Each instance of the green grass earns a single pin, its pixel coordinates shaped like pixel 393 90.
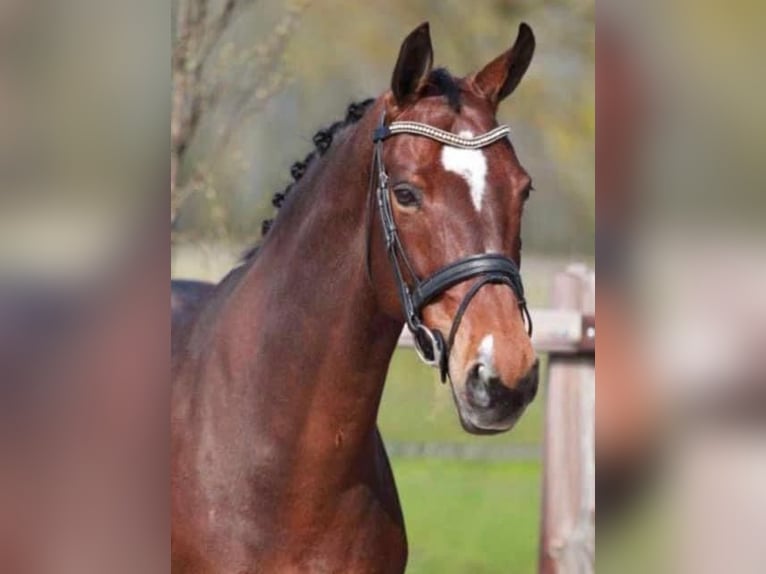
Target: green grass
pixel 470 517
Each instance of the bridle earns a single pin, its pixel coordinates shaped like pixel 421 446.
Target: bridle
pixel 486 267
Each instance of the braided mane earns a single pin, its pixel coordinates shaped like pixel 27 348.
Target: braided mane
pixel 439 82
pixel 322 142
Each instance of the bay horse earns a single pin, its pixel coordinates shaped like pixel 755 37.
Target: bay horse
pixel 409 213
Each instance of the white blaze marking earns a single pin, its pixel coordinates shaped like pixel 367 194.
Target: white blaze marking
pixel 471 165
pixel 487 357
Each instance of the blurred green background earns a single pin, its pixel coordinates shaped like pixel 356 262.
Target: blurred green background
pixel 280 70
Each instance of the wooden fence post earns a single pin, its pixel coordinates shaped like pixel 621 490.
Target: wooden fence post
pixel 567 539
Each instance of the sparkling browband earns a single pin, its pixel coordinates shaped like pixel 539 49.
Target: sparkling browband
pixel 440 135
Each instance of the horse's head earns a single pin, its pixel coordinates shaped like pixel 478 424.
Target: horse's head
pixel 450 203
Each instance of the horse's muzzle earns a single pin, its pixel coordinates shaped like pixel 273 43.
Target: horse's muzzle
pixel 490 406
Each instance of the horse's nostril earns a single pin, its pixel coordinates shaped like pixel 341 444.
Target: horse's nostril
pixel 477 389
pixel 485 390
pixel 506 398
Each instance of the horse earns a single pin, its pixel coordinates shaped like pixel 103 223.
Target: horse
pixel 408 213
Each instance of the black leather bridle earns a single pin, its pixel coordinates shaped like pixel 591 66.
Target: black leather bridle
pixel 485 267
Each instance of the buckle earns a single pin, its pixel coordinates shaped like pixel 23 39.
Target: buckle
pixel 428 346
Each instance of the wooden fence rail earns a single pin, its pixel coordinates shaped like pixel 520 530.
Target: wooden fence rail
pixel 555 331
pixel 568 530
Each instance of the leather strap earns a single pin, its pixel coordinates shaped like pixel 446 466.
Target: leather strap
pixel 459 271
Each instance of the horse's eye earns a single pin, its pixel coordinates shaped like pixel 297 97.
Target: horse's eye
pixel 406 196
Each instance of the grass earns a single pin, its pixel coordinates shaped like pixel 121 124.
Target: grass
pixel 470 517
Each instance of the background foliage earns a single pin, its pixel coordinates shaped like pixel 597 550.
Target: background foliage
pixel 279 70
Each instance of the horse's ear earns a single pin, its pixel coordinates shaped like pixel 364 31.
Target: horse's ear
pixel 414 64
pixel 501 76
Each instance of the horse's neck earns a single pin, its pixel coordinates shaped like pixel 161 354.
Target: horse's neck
pixel 305 346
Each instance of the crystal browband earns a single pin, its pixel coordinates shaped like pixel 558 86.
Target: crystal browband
pixel 447 138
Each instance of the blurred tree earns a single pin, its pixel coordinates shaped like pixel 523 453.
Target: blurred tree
pixel 210 71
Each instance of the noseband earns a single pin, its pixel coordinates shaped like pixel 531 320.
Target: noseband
pixel 485 267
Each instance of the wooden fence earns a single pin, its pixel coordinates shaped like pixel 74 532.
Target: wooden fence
pixel 568 529
pixel 567 332
pixel 562 331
